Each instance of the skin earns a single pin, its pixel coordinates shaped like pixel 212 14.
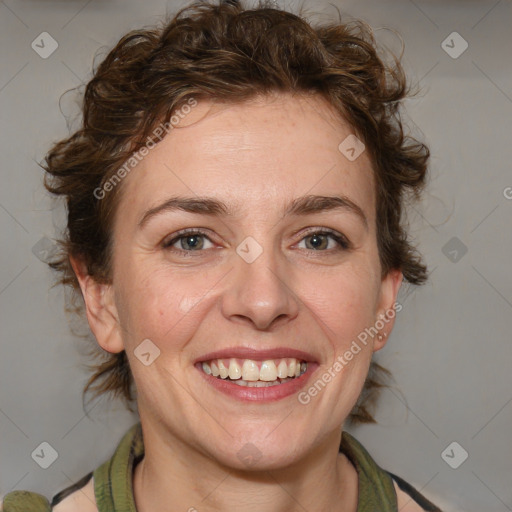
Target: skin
pixel 256 157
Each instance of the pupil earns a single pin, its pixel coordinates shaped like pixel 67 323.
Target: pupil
pixel 316 241
pixel 190 240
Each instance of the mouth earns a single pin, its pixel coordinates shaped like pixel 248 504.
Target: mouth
pixel 257 375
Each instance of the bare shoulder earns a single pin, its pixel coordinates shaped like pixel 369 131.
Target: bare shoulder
pixel 81 500
pixel 405 502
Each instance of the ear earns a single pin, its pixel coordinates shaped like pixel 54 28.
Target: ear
pixel 387 307
pixel 100 308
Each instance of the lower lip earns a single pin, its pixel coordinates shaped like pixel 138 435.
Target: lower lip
pixel 266 394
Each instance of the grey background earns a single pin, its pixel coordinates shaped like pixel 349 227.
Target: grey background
pixel 451 348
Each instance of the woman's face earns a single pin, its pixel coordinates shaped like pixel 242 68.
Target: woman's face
pixel 258 275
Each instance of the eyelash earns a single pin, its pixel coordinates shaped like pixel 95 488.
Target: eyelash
pixel 343 242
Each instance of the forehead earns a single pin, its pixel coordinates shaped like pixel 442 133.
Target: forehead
pixel 265 151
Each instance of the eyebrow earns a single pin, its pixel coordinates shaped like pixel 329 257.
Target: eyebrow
pixel 304 205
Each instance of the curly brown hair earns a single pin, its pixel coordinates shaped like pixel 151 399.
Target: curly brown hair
pixel 229 52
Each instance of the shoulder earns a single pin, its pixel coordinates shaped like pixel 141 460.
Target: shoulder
pixel 409 499
pixel 381 485
pixel 79 497
pixel 405 502
pixel 72 499
pixel 26 501
pixel 80 500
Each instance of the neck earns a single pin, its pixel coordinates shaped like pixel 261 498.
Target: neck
pixel 174 475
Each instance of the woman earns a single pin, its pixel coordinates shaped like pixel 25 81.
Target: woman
pixel 234 201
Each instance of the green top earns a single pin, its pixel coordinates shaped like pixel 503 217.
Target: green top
pixel 114 493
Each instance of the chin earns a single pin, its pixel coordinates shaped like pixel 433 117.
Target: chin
pixel 259 451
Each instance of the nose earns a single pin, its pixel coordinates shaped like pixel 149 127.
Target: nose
pixel 260 293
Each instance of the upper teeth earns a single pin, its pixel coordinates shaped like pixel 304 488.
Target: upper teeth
pixel 250 370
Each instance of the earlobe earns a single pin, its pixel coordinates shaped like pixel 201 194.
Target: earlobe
pixel 100 308
pixel 387 309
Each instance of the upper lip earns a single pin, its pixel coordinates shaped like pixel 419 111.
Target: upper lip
pixel 257 354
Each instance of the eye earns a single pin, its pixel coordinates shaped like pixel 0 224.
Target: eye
pixel 193 240
pixel 319 240
pixel 188 240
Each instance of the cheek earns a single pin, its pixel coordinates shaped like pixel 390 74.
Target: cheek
pixel 161 305
pixel 345 309
pixel 344 302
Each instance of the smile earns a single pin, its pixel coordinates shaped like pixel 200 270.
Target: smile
pixel 250 380
pixel 251 373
